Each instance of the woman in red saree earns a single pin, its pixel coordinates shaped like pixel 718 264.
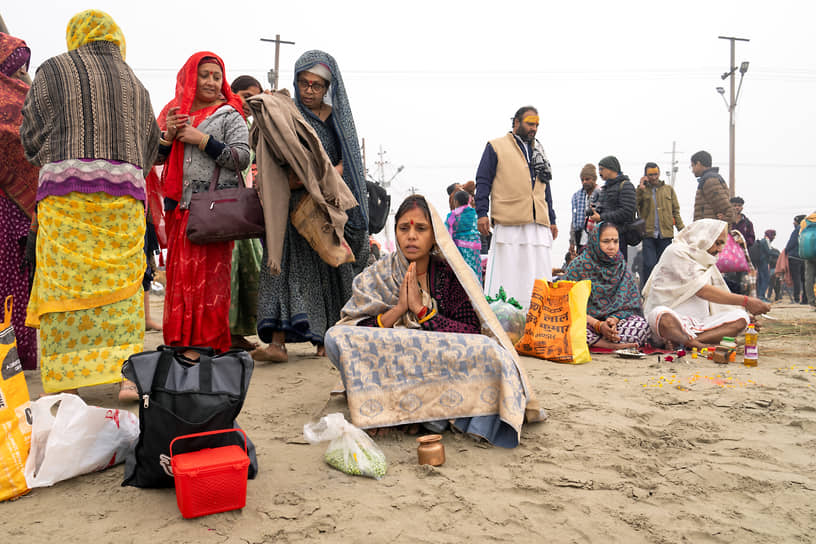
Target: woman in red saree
pixel 202 127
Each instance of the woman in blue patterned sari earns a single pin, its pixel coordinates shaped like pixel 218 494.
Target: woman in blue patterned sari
pixel 305 299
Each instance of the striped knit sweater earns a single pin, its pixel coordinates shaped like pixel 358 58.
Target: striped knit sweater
pixel 88 104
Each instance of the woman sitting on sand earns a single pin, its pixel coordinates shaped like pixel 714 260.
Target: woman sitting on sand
pixel 408 345
pixel 614 316
pixel 687 301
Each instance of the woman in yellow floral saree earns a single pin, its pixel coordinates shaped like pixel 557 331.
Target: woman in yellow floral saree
pixel 93 150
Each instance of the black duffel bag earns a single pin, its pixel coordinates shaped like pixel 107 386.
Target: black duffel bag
pixel 179 396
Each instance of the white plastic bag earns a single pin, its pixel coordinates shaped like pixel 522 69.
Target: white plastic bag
pixel 351 450
pixel 79 440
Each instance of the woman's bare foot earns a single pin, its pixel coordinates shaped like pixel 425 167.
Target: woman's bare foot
pixel 239 342
pixel 694 343
pixel 192 355
pixel 272 353
pixel 128 391
pixel 411 429
pixel 606 344
pixel 321 351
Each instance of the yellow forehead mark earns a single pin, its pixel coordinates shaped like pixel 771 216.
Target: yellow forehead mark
pixel 532 119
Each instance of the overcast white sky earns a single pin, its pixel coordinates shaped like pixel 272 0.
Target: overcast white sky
pixel 433 81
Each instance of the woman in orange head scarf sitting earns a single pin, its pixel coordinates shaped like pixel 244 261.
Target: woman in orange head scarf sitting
pixel 203 127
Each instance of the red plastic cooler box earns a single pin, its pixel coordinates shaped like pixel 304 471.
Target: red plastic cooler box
pixel 211 480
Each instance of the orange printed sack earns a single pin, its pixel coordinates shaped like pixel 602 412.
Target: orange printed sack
pixel 15 413
pixel 556 322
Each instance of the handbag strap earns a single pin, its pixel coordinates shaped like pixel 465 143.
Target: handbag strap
pixel 217 171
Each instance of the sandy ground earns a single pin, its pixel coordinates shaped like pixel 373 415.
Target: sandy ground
pixel 633 451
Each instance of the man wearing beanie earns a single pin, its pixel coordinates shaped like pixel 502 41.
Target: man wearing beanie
pixel 585 199
pixel 618 200
pixel 513 184
pixel 712 198
pixel 658 206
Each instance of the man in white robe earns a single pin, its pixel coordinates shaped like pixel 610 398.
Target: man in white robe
pixel 513 194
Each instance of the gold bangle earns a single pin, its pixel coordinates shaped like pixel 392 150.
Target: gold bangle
pixel 431 314
pixel 379 321
pixel 166 143
pixel 203 143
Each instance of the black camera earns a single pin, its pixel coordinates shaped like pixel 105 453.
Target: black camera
pixel 590 211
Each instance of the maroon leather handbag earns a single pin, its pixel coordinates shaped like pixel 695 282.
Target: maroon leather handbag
pixel 221 215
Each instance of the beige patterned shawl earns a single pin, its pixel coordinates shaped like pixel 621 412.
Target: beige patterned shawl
pixel 376 290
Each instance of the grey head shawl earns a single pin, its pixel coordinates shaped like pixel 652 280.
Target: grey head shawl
pixel 343 124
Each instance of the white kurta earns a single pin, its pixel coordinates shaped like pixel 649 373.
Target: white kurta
pixel 519 255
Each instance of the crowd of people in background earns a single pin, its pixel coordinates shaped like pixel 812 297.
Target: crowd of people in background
pixel 87 184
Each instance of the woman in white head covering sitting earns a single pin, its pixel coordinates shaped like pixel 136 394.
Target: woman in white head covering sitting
pixel 686 299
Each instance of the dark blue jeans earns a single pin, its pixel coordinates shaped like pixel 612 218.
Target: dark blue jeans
pixel 763 277
pixel 652 249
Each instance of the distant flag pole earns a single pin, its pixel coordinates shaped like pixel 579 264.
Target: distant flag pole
pixel 273 74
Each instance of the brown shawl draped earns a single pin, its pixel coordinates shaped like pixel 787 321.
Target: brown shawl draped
pixel 284 141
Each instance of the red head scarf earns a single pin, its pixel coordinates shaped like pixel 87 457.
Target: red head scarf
pixel 186 83
pixel 18 177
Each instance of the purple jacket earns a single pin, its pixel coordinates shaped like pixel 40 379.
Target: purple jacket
pixel 745 226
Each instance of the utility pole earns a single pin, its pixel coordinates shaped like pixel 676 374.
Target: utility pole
pixel 732 105
pixel 273 74
pixel 386 183
pixel 380 163
pixel 673 169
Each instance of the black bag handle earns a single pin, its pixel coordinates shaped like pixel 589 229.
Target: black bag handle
pixel 157 375
pixel 177 349
pixel 167 357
